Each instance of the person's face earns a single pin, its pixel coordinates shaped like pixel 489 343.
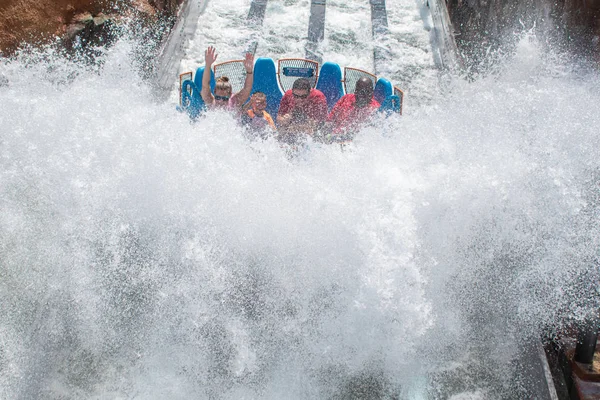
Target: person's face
pixel 363 95
pixel 259 103
pixel 222 96
pixel 300 96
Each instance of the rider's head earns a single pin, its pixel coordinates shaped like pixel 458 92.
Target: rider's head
pixel 259 102
pixel 222 90
pixel 363 91
pixel 301 90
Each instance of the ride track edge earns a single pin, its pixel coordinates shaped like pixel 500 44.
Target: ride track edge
pixel 167 63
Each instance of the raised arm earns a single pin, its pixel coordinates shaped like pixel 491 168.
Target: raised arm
pixel 240 98
pixel 210 56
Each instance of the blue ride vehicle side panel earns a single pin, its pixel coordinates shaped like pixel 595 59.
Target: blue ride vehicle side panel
pixel 391 104
pixel 384 94
pixel 265 80
pixel 198 79
pixel 383 89
pixel 330 83
pixel 193 103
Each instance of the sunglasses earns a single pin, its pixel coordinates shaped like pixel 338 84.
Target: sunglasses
pixel 222 98
pixel 300 96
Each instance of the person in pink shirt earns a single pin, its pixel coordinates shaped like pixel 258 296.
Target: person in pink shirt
pixel 302 111
pixel 223 97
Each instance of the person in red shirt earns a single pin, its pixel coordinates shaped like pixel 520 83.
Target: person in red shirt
pixel 302 111
pixel 352 110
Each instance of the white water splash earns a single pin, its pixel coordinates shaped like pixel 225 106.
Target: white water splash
pixel 145 256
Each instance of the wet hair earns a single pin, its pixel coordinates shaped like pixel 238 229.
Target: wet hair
pixel 364 84
pixel 223 84
pixel 259 95
pixel 302 84
pixel 363 91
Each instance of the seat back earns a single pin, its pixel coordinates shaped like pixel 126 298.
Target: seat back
pixel 291 69
pixel 383 89
pixel 352 75
pixel 235 71
pixel 198 79
pixel 265 80
pixel 330 83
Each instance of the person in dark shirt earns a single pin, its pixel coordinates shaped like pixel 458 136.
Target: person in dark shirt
pixel 302 111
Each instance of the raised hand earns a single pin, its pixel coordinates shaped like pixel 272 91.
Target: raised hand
pixel 210 55
pixel 249 63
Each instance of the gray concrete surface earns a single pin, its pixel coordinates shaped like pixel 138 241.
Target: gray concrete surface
pixel 174 47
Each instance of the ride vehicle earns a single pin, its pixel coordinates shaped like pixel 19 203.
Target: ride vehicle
pixel 274 81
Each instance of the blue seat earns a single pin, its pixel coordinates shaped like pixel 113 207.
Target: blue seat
pixel 383 90
pixel 193 103
pixel 265 80
pixel 330 83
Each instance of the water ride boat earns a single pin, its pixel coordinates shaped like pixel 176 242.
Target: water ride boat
pixel 275 79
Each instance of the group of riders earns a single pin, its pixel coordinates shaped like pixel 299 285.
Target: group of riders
pixel 302 112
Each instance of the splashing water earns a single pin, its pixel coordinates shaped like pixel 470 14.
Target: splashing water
pixel 143 256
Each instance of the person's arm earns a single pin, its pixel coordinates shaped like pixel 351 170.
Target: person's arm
pixel 240 98
pixel 270 120
pixel 318 113
pixel 321 109
pixel 210 56
pixel 284 118
pixel 333 117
